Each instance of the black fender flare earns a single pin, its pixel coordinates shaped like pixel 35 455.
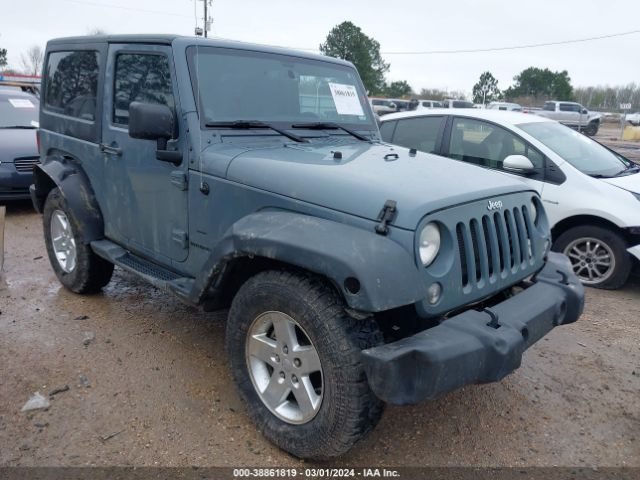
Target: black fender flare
pixel 67 174
pixel 386 272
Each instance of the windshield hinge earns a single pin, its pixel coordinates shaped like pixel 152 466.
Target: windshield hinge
pixel 385 216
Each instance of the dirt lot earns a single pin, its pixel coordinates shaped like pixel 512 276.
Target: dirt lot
pixel 609 134
pixel 155 389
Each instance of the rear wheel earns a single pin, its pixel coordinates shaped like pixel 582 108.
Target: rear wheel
pixel 77 267
pixel 598 255
pixel 295 355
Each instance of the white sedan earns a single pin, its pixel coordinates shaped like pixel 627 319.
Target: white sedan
pixel 591 193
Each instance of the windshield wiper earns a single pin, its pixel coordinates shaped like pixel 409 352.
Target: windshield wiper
pixel 628 169
pixel 21 127
pixel 330 126
pixel 249 124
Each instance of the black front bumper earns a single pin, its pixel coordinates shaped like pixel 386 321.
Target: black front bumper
pixel 14 185
pixel 475 346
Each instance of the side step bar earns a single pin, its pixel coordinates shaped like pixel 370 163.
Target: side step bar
pixel 160 277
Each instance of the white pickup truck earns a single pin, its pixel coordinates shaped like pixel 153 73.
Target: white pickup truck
pixel 572 115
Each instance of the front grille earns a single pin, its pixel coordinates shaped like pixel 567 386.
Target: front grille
pixel 500 245
pixel 25 164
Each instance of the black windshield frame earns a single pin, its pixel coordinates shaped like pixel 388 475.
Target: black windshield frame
pixel 192 51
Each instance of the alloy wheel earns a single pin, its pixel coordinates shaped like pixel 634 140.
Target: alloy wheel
pixel 63 241
pixel 592 260
pixel 284 367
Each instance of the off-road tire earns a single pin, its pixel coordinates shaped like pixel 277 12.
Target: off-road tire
pixel 91 272
pixel 349 409
pixel 613 240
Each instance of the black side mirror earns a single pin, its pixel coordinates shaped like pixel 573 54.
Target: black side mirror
pixel 585 111
pixel 149 121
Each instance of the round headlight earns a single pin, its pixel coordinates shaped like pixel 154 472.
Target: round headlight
pixel 429 243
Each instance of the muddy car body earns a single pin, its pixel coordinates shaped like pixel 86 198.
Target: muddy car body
pixel 243 175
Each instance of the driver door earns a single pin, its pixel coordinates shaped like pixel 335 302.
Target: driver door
pixel 145 199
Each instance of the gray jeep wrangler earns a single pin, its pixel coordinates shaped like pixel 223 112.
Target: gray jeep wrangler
pixel 232 175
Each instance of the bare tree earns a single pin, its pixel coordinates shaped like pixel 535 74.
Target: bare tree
pixel 32 60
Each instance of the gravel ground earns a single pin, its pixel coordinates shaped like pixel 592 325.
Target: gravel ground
pixel 609 134
pixel 149 385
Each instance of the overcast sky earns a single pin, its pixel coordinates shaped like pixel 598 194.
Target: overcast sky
pixel 401 25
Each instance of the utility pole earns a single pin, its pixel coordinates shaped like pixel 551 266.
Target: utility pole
pixel 206 22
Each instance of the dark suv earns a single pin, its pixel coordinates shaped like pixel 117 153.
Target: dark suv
pixel 357 273
pixel 18 142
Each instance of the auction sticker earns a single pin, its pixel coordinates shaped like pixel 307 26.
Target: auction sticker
pixel 21 103
pixel 346 99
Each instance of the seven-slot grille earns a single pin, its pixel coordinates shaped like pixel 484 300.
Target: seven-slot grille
pixel 500 244
pixel 25 164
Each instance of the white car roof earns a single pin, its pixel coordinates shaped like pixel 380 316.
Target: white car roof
pixel 497 116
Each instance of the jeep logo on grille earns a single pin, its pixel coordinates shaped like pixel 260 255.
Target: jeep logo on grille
pixel 494 205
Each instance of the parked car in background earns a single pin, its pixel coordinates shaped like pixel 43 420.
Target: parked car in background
pixel 18 143
pixel 401 105
pixel 457 104
pixel 633 118
pixel 505 106
pixel 425 104
pixel 590 192
pixel 382 106
pixel 573 115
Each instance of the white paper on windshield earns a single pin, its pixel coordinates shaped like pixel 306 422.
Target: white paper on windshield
pixel 346 99
pixel 35 124
pixel 21 103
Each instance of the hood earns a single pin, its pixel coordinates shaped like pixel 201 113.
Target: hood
pixel 363 178
pixel 627 182
pixel 16 143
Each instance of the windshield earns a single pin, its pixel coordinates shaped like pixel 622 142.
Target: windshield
pixel 274 88
pixel 580 151
pixel 18 111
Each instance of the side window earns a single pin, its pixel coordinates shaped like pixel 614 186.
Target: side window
pixel 140 78
pixel 420 133
pixel 72 83
pixel 386 131
pixel 487 145
pixel 569 107
pixel 549 106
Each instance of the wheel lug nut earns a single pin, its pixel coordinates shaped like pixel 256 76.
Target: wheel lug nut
pixel 285 350
pixel 294 379
pixel 282 375
pixel 297 362
pixel 277 359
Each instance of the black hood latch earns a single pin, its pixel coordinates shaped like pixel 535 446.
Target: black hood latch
pixel 385 216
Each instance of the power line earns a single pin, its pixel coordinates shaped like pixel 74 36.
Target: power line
pixel 514 47
pixel 498 49
pixel 133 9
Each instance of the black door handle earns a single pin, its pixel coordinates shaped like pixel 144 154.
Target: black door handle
pixel 111 150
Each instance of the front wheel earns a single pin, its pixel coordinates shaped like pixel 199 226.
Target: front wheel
pixel 598 255
pixel 295 356
pixel 591 129
pixel 77 267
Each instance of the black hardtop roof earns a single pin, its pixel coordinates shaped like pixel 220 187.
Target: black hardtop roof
pixel 168 39
pixel 126 38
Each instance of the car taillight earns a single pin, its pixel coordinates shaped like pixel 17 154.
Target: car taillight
pixel 38 139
